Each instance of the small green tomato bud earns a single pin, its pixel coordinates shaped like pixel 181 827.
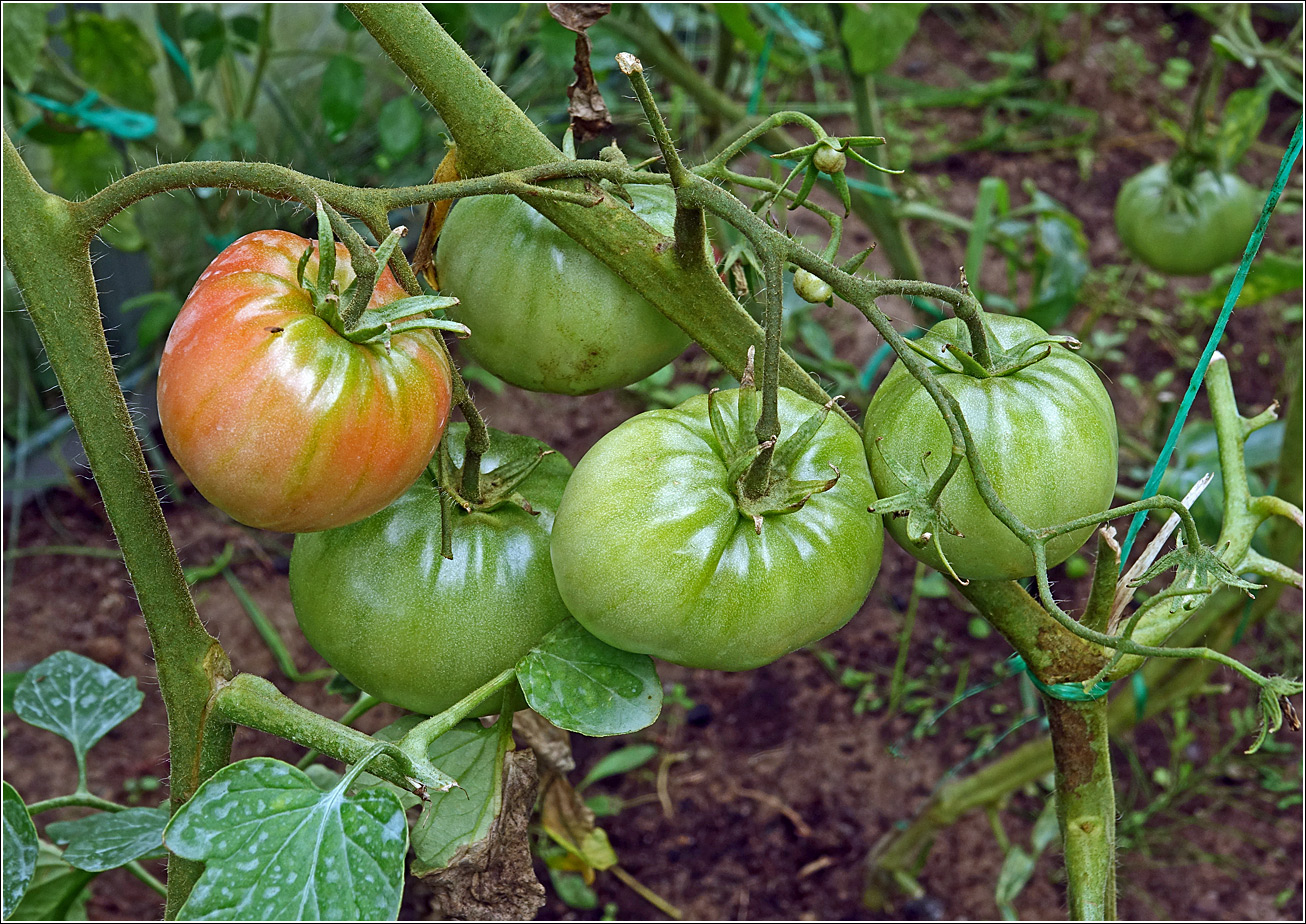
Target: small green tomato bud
pixel 828 160
pixel 813 289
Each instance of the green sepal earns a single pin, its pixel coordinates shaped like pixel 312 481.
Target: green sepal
pixel 874 166
pixel 407 308
pixel 326 249
pixel 932 357
pixel 809 183
pixel 840 181
pixel 861 141
pixel 720 429
pixel 788 451
pixel 1203 569
pixel 926 521
pixel 853 264
pixel 387 248
pixel 498 486
pixel 969 364
pixel 1274 703
pixel 299 271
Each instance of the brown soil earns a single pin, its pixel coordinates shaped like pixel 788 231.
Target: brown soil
pixel 775 787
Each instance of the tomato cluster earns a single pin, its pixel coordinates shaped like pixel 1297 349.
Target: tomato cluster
pixel 678 535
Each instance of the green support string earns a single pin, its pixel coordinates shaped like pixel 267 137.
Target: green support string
pixel 1066 692
pixel 1253 245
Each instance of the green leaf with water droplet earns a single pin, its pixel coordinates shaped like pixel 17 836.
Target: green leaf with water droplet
pixel 76 698
pixel 586 686
pixel 19 849
pixel 278 848
pixel 107 840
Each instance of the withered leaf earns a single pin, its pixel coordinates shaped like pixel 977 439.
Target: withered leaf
pixel 436 213
pixel 570 823
pixel 551 744
pixel 588 111
pixel 493 879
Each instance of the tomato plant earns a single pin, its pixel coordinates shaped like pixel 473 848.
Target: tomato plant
pixel 545 314
pixel 1186 226
pixel 656 549
pixel 1045 433
pixel 377 600
pixel 279 419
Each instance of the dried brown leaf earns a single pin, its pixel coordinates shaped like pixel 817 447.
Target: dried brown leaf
pixel 493 879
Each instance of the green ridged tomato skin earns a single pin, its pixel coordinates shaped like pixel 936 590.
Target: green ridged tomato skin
pixel 652 554
pixel 277 419
pixel 546 314
pixel 381 605
pixel 1186 231
pixel 1046 436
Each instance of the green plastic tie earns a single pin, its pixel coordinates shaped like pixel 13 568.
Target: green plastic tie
pixel 1253 245
pixel 1138 683
pixel 1066 692
pixel 759 76
pixel 170 48
pixel 90 111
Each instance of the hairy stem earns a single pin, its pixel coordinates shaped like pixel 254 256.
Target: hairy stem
pixel 46 246
pixel 1086 806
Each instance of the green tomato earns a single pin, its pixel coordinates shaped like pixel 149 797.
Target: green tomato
pixel 812 288
pixel 544 312
pixel 830 160
pixel 1046 436
pixel 653 554
pixel 378 601
pixel 1186 229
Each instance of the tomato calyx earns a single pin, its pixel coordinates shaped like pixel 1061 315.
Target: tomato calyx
pixel 495 487
pixel 375 325
pixel 1202 571
pixel 760 475
pixel 1003 361
pixel 919 503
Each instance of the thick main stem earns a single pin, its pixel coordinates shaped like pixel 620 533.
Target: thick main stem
pixel 1086 805
pixel 48 251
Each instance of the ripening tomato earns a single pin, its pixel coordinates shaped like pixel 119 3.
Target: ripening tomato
pixel 544 312
pixel 277 418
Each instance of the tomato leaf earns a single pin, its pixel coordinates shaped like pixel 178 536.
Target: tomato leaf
pixel 1017 867
pixel 20 848
pixel 343 86
pixel 473 755
pixel 76 698
pixel 109 839
pixel 57 892
pixel 1244 116
pixel 735 17
pixel 278 848
pixel 114 57
pixel 24 38
pixel 1272 274
pixel 584 685
pixel 622 760
pixel 876 33
pixel 400 127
